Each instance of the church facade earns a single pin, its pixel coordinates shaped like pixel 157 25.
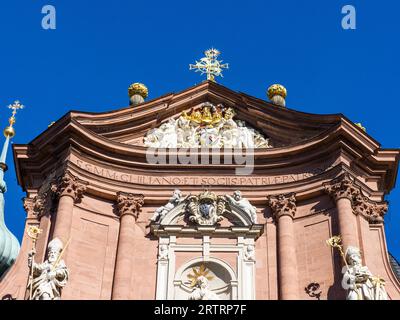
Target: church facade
pixel 204 194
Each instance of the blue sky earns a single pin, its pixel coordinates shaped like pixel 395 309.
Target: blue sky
pixel 100 47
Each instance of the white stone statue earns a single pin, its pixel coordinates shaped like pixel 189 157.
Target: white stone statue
pixel 50 276
pixel 244 204
pixel 202 290
pixel 250 253
pixel 359 281
pixel 160 213
pixel 163 252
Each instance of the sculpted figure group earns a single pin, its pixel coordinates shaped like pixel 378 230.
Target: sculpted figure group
pixel 210 126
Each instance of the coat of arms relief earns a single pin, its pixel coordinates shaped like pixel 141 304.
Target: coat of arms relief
pixel 208 126
pixel 207 208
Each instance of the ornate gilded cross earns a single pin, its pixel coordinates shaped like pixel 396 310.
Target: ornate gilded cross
pixel 15 106
pixel 210 65
pixel 9 132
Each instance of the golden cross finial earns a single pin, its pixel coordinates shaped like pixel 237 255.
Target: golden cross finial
pixel 9 131
pixel 15 106
pixel 210 65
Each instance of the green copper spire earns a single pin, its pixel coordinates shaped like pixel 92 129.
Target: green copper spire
pixel 9 245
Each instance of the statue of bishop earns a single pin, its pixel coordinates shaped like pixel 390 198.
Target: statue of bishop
pixel 50 276
pixel 359 281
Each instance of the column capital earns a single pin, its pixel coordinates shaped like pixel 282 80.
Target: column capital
pixel 129 203
pixel 69 185
pixel 34 207
pixel 371 210
pixel 342 187
pixel 283 204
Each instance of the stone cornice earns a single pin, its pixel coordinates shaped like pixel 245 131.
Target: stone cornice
pixel 129 204
pixel 282 205
pixel 253 231
pixel 328 135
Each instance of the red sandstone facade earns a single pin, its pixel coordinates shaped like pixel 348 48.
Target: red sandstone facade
pixel 87 179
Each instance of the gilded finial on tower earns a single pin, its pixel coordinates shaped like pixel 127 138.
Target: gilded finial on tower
pixel 9 245
pixel 9 131
pixel 137 92
pixel 277 94
pixel 210 64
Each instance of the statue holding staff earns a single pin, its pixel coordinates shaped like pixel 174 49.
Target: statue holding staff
pixel 49 277
pixel 357 279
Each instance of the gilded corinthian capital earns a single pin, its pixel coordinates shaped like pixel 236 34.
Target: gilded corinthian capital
pixel 69 185
pixel 342 187
pixel 129 203
pixel 283 204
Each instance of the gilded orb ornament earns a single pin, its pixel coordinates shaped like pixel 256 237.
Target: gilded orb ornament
pixel 277 90
pixel 9 132
pixel 138 88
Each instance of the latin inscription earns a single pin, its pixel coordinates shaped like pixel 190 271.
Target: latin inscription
pixel 193 180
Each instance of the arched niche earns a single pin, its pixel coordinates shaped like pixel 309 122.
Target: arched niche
pixel 224 281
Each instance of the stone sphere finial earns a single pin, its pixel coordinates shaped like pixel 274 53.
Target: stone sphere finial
pixel 137 93
pixel 277 94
